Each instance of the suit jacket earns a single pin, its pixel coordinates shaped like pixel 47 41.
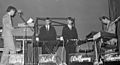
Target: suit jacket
pixel 7 25
pixel 7 32
pixel 46 35
pixel 69 34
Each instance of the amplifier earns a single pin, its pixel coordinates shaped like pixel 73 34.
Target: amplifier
pixel 16 59
pixel 47 58
pixel 78 58
pixel 112 57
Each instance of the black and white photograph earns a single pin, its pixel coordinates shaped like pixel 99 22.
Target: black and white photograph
pixel 59 32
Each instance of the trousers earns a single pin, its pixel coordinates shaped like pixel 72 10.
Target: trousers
pixel 9 48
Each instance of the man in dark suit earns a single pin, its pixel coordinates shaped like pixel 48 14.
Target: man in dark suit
pixel 47 33
pixel 69 34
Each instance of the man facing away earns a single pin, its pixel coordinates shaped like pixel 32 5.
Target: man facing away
pixel 7 35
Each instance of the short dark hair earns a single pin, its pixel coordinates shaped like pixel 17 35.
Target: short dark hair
pixel 47 19
pixel 103 17
pixel 11 8
pixel 70 18
pixel 50 21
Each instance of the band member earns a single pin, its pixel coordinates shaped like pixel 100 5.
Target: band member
pixel 7 35
pixel 69 34
pixel 47 33
pixel 110 30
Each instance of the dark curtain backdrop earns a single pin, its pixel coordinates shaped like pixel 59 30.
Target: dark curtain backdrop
pixel 114 9
pixel 114 12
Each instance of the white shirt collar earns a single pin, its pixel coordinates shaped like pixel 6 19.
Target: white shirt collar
pixel 69 26
pixel 47 26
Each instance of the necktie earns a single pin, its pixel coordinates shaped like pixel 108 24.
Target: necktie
pixel 47 27
pixel 70 27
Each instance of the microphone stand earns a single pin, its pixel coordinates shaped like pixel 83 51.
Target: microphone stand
pixel 62 52
pixel 25 37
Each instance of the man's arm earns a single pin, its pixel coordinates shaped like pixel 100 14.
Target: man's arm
pixel 54 33
pixel 40 35
pixel 76 34
pixel 64 34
